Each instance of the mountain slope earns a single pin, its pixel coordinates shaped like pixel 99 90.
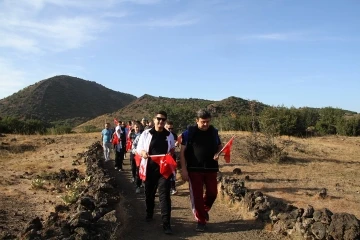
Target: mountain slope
pixel 181 110
pixel 63 98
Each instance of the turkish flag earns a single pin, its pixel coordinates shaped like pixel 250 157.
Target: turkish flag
pixel 226 150
pixel 142 169
pixel 116 122
pixel 115 140
pixel 167 164
pixel 128 145
pixel 137 158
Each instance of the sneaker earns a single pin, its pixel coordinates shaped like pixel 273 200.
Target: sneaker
pixel 132 180
pixel 116 168
pixel 200 227
pixel 167 228
pixel 173 191
pixel 120 170
pixel 148 218
pixel 207 216
pixel 137 190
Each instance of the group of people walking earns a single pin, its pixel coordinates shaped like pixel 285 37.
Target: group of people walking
pixel 200 147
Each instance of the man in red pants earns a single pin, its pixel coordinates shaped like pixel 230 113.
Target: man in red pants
pixel 199 152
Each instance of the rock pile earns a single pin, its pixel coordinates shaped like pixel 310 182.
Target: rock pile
pixel 289 220
pixel 93 216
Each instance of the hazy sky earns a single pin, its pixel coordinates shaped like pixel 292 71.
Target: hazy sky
pixel 280 52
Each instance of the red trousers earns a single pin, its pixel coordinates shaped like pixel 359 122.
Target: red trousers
pixel 201 203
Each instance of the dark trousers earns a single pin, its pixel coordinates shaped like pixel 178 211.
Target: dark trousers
pixel 135 170
pixel 133 165
pixel 201 203
pixel 173 181
pixel 119 158
pixel 154 180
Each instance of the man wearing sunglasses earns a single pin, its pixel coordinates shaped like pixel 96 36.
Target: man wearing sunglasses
pixel 156 141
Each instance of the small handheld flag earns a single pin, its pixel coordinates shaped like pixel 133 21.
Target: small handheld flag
pixel 226 149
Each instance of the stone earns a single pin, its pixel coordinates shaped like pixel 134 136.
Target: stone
pixel 344 226
pixel 319 230
pixel 34 224
pixel 88 203
pixel 308 212
pixel 323 216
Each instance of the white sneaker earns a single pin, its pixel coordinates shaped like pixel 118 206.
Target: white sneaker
pixel 137 190
pixel 116 168
pixel 173 191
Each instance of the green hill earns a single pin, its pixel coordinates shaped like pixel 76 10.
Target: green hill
pixel 63 99
pixel 180 110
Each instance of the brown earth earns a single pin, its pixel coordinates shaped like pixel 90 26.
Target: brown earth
pixel 316 163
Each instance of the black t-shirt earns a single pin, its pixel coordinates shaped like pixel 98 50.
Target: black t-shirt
pixel 158 145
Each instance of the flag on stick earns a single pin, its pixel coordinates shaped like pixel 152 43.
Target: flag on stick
pixel 226 149
pixel 166 162
pixel 116 122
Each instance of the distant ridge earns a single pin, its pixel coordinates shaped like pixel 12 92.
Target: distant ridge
pixel 63 98
pixel 185 108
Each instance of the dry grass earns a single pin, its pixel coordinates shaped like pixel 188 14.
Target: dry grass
pixel 46 154
pixel 325 162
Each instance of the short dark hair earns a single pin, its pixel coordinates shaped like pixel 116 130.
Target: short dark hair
pixel 161 113
pixel 169 122
pixel 203 113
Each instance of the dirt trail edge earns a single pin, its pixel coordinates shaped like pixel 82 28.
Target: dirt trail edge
pixel 224 224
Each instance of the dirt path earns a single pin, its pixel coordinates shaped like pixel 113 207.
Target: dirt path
pixel 223 224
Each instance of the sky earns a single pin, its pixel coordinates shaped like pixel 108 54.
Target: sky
pixel 294 53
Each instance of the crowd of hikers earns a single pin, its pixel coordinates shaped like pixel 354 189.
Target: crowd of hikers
pixel 154 161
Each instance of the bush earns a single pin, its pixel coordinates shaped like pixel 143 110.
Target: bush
pixel 90 128
pixel 58 130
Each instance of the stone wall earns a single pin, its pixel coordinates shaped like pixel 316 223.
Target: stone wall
pixel 93 216
pixel 289 220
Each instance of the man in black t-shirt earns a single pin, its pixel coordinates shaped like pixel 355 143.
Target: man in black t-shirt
pixel 152 143
pixel 199 156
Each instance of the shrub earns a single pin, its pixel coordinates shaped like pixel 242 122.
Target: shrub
pixel 37 183
pixel 58 130
pixel 90 128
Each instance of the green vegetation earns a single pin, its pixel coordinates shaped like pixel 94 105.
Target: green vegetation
pixel 74 190
pixel 31 126
pixel 235 114
pixel 90 128
pixel 37 183
pixel 56 105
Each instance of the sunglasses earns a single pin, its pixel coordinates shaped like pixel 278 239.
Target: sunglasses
pixel 159 119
